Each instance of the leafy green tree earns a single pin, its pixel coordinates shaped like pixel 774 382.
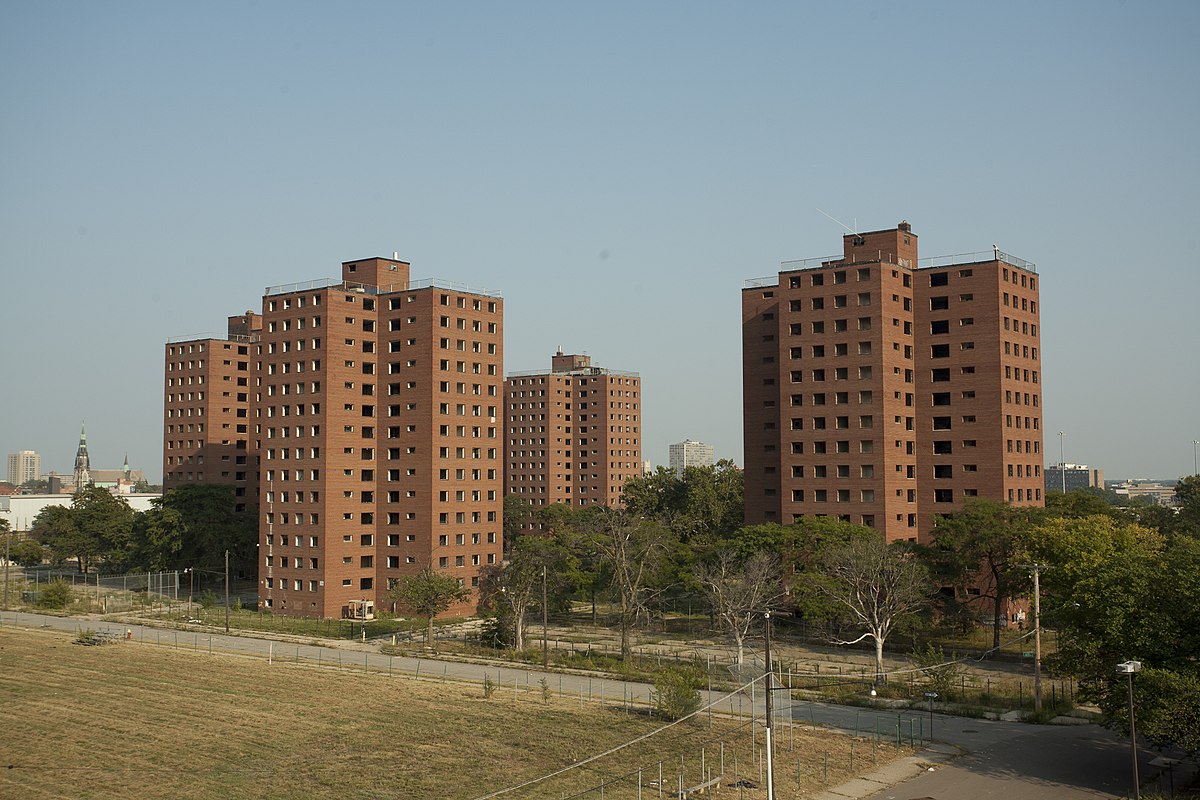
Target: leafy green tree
pixel 36 486
pixel 108 520
pixel 982 545
pixel 519 514
pixel 211 526
pixel 28 553
pixel 870 584
pixel 158 539
pixel 1080 503
pixel 55 527
pixel 428 594
pixel 703 502
pixel 1117 591
pixel 1187 494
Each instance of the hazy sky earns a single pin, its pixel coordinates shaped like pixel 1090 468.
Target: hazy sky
pixel 617 170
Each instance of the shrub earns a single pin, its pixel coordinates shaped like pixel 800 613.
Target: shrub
pixel 942 673
pixel 57 594
pixel 207 599
pixel 489 687
pixel 677 692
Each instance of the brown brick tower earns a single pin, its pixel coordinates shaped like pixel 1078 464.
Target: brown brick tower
pixel 883 393
pixel 379 422
pixel 206 409
pixel 574 433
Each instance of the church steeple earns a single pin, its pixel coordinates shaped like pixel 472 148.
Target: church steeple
pixel 83 465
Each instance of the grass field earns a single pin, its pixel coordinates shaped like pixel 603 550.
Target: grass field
pixel 138 720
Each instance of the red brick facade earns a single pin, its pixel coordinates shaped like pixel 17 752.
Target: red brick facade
pixel 884 393
pixel 206 410
pixel 574 433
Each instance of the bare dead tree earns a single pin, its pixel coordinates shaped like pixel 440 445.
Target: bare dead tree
pixel 874 585
pixel 740 590
pixel 634 551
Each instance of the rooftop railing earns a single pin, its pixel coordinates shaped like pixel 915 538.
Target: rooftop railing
pixel 978 256
pixel 222 337
pixel 583 372
pixel 995 254
pixel 362 288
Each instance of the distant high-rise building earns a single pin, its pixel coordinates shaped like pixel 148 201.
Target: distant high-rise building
pixel 206 411
pixel 690 454
pixel 885 393
pixel 24 466
pixel 573 433
pixel 1073 476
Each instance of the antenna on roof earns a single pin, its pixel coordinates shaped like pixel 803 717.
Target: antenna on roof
pixel 853 230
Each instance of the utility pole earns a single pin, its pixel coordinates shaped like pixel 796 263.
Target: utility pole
pixel 7 549
pixel 227 591
pixel 770 714
pixel 545 650
pixel 1037 633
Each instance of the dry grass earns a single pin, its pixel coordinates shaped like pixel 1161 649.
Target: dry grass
pixel 134 720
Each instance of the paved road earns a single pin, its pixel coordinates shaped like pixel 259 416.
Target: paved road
pixel 1002 759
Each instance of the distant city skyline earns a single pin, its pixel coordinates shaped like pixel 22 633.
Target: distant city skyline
pixel 607 173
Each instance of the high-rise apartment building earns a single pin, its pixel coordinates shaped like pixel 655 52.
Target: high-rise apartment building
pixel 377 415
pixel 24 466
pixel 207 392
pixel 573 433
pixel 885 391
pixel 690 454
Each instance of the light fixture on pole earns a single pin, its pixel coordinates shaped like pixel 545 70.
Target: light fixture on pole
pixel 1127 668
pixel 1062 461
pixel 770 712
pixel 931 696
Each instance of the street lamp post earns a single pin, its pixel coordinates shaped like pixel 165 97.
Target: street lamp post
pixel 931 696
pixel 545 650
pixel 1195 457
pixel 191 571
pixel 227 591
pixel 1128 668
pixel 1062 461
pixel 770 712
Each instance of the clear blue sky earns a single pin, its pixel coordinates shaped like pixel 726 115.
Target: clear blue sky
pixel 616 169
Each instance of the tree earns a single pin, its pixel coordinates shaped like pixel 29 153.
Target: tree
pixel 515 585
pixel 428 594
pixel 871 584
pixel 36 486
pixel 158 539
pixel 1080 503
pixel 703 502
pixel 211 526
pixel 740 590
pixel 1187 494
pixel 519 514
pixel 1117 591
pixel 982 546
pixel 633 551
pixel 107 519
pixel 55 527
pixel 28 553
